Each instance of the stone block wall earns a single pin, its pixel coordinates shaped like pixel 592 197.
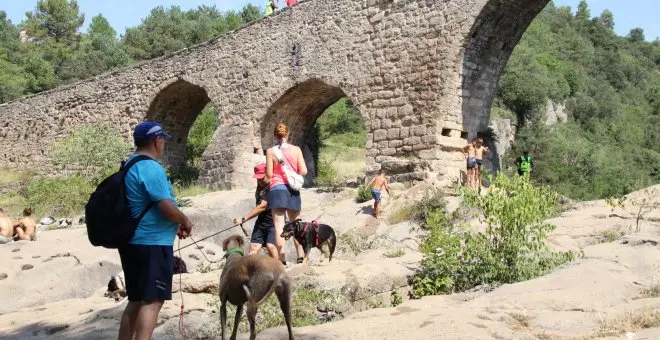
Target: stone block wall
pixel 422 74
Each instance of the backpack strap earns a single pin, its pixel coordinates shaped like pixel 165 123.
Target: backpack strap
pixel 127 166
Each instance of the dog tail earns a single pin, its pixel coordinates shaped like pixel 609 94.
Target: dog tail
pixel 276 281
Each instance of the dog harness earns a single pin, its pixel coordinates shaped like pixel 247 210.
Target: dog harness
pixel 306 229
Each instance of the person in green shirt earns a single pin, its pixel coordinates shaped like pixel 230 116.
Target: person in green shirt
pixel 525 164
pixel 271 7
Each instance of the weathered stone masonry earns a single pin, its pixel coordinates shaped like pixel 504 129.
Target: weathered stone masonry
pixel 422 74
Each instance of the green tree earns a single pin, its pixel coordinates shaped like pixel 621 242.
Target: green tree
pixel 95 149
pixel 251 13
pixel 54 27
pixel 101 50
pixel 636 35
pixel 583 14
pixel 607 19
pixel 167 30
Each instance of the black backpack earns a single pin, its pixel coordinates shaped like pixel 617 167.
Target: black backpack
pixel 108 218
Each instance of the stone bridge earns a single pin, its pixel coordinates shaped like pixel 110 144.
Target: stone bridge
pixel 421 72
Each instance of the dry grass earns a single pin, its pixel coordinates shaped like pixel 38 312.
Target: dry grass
pixel 347 161
pixel 9 176
pixel 190 190
pixel 392 253
pixel 519 321
pixel 12 204
pixel 399 215
pixel 629 322
pixel 610 235
pixel 651 292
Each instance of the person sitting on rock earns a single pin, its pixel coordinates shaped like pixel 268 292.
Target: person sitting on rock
pixel 6 228
pixel 379 182
pixel 26 228
pixel 263 233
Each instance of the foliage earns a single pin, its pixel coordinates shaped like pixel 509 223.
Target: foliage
pixel 96 148
pixel 304 304
pixel 395 253
pixel 611 89
pixel 511 249
pixel 327 177
pixel 61 197
pixel 343 122
pixel 363 194
pixel 419 211
pixel 200 135
pixel 168 30
pixel 395 298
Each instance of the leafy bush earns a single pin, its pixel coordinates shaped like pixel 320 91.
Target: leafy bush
pixel 200 135
pixel 419 211
pixel 60 197
pixel 363 194
pixel 511 249
pixel 97 149
pixel 327 177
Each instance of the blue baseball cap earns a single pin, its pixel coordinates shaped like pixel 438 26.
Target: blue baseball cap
pixel 149 130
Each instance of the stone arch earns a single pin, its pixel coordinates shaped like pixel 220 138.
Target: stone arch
pixel 299 108
pixel 176 107
pixel 495 33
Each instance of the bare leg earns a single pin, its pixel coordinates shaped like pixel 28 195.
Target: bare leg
pixel 129 320
pixel 237 320
pixel 278 221
pixel 147 318
pixel 272 251
pixel 293 215
pixel 254 248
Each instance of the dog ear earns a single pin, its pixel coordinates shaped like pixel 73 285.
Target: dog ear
pixel 225 243
pixel 240 241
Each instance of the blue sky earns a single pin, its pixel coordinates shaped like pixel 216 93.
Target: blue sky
pixel 127 13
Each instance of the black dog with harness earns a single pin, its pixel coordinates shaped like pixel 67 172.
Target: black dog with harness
pixel 311 234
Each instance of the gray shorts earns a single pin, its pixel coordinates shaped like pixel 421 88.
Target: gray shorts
pixel 4 239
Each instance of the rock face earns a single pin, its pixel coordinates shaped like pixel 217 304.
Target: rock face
pixel 422 74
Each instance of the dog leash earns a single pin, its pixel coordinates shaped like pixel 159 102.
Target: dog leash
pixel 207 237
pixel 182 329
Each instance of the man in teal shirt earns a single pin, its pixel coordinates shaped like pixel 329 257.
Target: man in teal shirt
pixel 148 259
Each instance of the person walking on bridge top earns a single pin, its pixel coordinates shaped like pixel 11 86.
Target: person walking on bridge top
pixel 290 3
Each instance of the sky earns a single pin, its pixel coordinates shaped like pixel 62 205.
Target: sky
pixel 128 13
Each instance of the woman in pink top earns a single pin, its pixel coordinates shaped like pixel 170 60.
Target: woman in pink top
pixel 282 199
pixel 291 2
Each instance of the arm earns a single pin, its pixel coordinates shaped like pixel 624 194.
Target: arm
pixel 269 164
pixel 173 213
pixel 255 212
pixel 302 167
pixel 465 150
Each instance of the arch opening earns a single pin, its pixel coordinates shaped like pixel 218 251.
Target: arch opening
pixel 177 107
pixel 333 143
pixel 490 43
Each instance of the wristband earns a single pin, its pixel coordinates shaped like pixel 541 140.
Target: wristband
pixel 242 220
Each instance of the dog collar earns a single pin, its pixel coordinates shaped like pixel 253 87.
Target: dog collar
pixel 233 251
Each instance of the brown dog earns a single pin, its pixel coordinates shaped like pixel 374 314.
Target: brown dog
pixel 251 279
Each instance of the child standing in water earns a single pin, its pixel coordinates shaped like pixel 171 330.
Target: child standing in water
pixel 377 185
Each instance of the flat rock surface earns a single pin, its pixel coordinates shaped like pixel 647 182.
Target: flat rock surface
pixel 61 296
